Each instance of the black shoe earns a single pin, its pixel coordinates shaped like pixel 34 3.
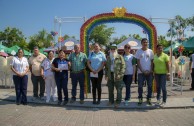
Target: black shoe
pixel 25 103
pixel 17 103
pixel 191 88
pixel 94 102
pixel 65 102
pixel 98 102
pixel 59 102
pixel 72 100
pixel 140 101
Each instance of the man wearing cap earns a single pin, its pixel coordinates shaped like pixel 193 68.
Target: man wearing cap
pixel 78 63
pixel 114 72
pixel 35 67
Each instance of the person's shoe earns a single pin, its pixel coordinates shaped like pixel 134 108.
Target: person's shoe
pixel 72 100
pixel 192 89
pixel 98 102
pixel 109 103
pixel 54 99
pixel 94 101
pixel 140 101
pixel 117 105
pixel 34 98
pixel 17 103
pixel 158 102
pixel 42 98
pixel 163 104
pixel 149 101
pixel 65 102
pixel 25 103
pixel 126 102
pixel 81 102
pixel 47 101
pixel 59 102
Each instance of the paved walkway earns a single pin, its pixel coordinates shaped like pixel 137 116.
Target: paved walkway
pixel 174 99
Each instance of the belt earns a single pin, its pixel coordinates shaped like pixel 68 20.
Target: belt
pixel 77 71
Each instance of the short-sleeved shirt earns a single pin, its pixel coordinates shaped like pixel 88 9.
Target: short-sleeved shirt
pixel 160 63
pixel 96 59
pixel 35 62
pixel 129 61
pixel 78 62
pixel 145 57
pixel 57 62
pixel 46 64
pixel 19 64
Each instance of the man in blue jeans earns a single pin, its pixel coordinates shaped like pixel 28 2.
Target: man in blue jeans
pixel 144 58
pixel 78 62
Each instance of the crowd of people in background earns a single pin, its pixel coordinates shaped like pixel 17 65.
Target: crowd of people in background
pixel 120 70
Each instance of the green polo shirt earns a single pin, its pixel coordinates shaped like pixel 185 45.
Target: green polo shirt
pixel 160 63
pixel 78 62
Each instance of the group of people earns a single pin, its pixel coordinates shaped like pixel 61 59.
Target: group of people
pixel 119 70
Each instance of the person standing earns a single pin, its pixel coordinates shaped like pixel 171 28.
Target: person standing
pixel 161 72
pixel 96 62
pixel 144 58
pixel 60 66
pixel 35 67
pixel 114 72
pixel 48 75
pixel 78 62
pixel 20 67
pixel 191 68
pixel 130 71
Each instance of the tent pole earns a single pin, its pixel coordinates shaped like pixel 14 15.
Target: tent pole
pixel 171 54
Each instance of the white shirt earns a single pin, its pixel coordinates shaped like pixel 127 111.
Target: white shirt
pixel 19 64
pixel 145 58
pixel 46 64
pixel 129 66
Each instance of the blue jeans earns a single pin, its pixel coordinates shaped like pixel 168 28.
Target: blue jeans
pixel 128 80
pixel 141 79
pixel 61 82
pixel 21 88
pixel 161 84
pixel 77 77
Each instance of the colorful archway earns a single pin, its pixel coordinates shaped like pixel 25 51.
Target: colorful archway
pixel 118 15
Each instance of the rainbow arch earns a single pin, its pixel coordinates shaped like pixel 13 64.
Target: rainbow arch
pixel 91 23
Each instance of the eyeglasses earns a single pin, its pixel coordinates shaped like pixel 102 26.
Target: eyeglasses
pixel 127 47
pixel 112 48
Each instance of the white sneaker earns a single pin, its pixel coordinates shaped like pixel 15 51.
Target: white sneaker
pixel 163 104
pixel 158 102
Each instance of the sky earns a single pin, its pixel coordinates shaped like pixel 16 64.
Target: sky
pixel 31 16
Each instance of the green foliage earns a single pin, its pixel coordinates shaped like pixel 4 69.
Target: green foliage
pixel 162 40
pixel 101 34
pixel 42 40
pixel 13 36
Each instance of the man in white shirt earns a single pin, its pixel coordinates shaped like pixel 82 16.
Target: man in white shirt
pixel 145 65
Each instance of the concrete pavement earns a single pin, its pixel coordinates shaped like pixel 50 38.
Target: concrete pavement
pixel 174 99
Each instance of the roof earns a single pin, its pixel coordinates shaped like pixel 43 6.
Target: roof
pixel 134 43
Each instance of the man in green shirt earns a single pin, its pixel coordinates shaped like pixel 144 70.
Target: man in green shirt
pixel 78 61
pixel 161 71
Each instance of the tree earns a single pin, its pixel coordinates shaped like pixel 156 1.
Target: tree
pixel 162 40
pixel 42 40
pixel 179 25
pixel 101 34
pixel 119 40
pixel 13 36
